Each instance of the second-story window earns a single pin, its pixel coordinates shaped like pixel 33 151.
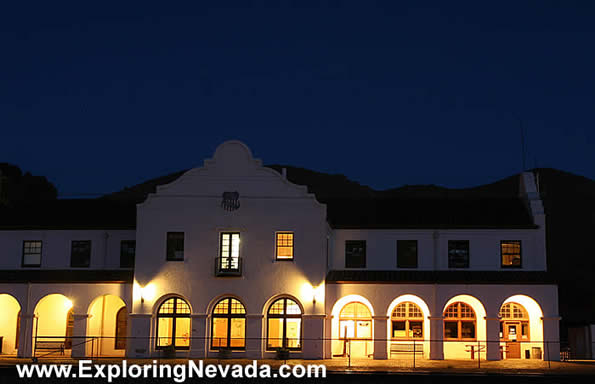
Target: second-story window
pixel 31 253
pixel 355 254
pixel 127 252
pixel 510 251
pixel 229 251
pixel 406 253
pixel 284 246
pixel 175 246
pixel 458 253
pixel 80 255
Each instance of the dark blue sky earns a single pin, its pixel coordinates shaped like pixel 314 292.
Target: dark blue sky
pixel 102 95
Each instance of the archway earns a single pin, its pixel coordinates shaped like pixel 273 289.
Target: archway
pixel 107 326
pixel 464 328
pixel 408 324
pixel 352 327
pixel 521 328
pixel 52 328
pixel 9 324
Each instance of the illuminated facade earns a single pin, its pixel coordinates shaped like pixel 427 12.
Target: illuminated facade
pixel 233 256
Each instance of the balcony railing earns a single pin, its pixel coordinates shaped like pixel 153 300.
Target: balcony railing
pixel 228 266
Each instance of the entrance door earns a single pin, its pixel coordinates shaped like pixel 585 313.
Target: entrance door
pixel 512 345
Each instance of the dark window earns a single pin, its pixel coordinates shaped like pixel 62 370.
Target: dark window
pixel 407 253
pixel 510 251
pixel 355 254
pixel 80 255
pixel 127 251
pixel 175 246
pixel 121 324
pixel 458 253
pixel 31 253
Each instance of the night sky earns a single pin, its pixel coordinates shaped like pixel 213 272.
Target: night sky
pixel 102 95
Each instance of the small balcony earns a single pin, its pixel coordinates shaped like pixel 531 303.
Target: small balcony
pixel 228 266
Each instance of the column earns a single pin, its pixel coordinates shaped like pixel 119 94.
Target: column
pixel 26 333
pixel 436 337
pixel 313 338
pixel 493 338
pixel 551 338
pixel 140 341
pixel 199 341
pixel 380 333
pixel 254 336
pixel 328 334
pixel 79 333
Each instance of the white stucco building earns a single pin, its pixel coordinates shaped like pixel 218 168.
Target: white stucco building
pixel 233 255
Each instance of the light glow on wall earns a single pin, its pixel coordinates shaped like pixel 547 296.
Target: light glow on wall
pixel 311 293
pixel 143 293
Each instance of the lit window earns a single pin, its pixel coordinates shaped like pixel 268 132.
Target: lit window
pixel 31 253
pixel 355 321
pixel 229 325
pixel 229 251
pixel 80 253
pixel 407 320
pixel 458 253
pixel 510 250
pixel 284 325
pixel 173 324
pixel 459 322
pixel 175 246
pixel 284 245
pixel 514 319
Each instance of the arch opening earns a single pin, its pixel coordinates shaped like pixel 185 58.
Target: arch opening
pixel 408 323
pixel 352 327
pixel 9 323
pixel 521 328
pixel 464 327
pixel 108 322
pixel 53 324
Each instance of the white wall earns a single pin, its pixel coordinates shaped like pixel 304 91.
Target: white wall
pixel 57 244
pixel 484 247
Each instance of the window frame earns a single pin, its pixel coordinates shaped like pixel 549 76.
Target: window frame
pixel 277 258
pixel 72 253
pixel 502 265
pixel 40 254
pixel 284 318
pixel 363 245
pixel 229 315
pixel 230 257
pixel 451 264
pixel 175 315
pixel 122 242
pixel 400 265
pixel 167 246
pixel 407 319
pixel 459 320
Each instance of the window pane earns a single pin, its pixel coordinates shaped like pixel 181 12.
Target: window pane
pixel 175 246
pixel 407 253
pixel 293 333
pixel 32 259
pixel 458 254
pixel 511 253
pixel 165 329
pixel 416 329
pixel 451 329
pixel 293 308
pixel 399 329
pixel 275 333
pixel 355 254
pixel 238 332
pixel 284 245
pixel 467 330
pixel 219 332
pixel 80 253
pixel 127 252
pixel 183 332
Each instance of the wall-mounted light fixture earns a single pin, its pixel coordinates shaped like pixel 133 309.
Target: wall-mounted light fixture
pixel 144 293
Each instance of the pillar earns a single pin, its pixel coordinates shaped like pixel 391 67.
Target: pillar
pixel 328 334
pixel 551 338
pixel 436 337
pixel 79 333
pixel 380 333
pixel 140 343
pixel 199 341
pixel 26 333
pixel 493 338
pixel 313 337
pixel 254 336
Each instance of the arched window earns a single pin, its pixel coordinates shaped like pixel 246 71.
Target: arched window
pixel 121 324
pixel 284 325
pixel 355 321
pixel 459 322
pixel 173 324
pixel 229 325
pixel 69 329
pixel 407 321
pixel 514 322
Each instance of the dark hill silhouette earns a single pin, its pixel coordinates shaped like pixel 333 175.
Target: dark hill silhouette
pixel 16 187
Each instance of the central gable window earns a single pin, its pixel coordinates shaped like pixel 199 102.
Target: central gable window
pixel 229 263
